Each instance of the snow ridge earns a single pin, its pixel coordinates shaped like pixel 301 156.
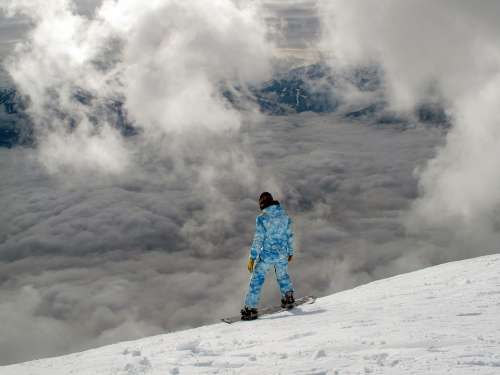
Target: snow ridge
pixel 443 319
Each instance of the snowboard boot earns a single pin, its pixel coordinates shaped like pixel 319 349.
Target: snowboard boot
pixel 287 302
pixel 248 313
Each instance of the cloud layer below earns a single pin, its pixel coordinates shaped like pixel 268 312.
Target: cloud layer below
pixel 147 252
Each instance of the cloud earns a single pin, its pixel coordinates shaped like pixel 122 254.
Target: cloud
pixel 449 52
pixel 113 238
pixel 161 59
pixel 155 211
pixel 293 24
pixel 11 32
pixel 129 256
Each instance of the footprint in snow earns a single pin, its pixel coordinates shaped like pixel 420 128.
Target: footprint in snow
pixel 134 353
pixel 192 346
pixel 203 363
pixel 319 354
pixel 249 356
pixel 300 335
pixel 139 367
pixel 228 364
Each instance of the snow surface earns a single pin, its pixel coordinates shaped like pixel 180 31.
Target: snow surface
pixel 444 319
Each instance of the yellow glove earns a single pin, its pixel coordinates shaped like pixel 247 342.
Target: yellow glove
pixel 250 265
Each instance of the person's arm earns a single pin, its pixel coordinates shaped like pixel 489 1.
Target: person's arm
pixel 258 239
pixel 291 239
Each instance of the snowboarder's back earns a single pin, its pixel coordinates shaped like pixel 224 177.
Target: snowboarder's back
pixel 277 233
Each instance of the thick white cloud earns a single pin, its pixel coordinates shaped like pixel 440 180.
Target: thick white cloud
pixel 165 59
pixel 446 51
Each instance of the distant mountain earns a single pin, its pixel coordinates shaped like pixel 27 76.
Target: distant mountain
pixel 313 88
pixel 318 88
pixel 15 128
pixel 299 90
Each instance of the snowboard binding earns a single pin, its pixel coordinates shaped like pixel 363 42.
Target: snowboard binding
pixel 288 302
pixel 249 313
pixel 307 300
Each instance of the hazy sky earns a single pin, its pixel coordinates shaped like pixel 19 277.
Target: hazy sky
pixel 294 24
pixel 105 238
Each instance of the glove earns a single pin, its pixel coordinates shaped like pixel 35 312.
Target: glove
pixel 290 257
pixel 250 265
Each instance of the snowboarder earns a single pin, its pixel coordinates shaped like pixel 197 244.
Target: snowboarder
pixel 272 246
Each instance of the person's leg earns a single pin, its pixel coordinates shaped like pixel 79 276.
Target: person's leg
pixel 284 281
pixel 256 283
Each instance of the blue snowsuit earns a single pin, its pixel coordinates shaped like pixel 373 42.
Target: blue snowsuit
pixel 272 245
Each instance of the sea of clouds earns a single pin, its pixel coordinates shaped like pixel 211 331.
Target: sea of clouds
pixel 106 238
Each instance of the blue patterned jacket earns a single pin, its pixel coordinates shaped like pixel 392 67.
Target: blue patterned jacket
pixel 273 237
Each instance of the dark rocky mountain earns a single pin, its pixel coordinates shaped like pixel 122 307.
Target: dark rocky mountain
pixel 314 88
pixel 317 88
pixel 15 128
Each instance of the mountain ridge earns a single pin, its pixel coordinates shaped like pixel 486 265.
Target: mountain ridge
pixel 313 88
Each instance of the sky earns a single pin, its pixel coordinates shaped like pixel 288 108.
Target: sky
pixel 105 238
pixel 11 32
pixel 294 24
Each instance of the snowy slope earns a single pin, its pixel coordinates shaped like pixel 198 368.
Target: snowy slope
pixel 440 320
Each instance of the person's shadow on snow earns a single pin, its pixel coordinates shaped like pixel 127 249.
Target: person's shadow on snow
pixel 295 311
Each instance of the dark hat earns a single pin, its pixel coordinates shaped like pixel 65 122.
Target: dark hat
pixel 266 200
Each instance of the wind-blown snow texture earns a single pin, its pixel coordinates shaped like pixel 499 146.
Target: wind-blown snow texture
pixel 444 319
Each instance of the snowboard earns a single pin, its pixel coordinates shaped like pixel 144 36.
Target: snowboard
pixel 307 300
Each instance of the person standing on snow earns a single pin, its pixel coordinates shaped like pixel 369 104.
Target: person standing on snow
pixel 272 246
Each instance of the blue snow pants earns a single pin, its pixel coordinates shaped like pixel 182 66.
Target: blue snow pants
pixel 259 275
